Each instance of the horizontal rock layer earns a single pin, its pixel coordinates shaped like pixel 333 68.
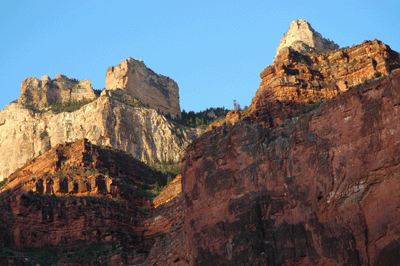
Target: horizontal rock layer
pixel 77 195
pixel 296 80
pixel 169 192
pixel 139 131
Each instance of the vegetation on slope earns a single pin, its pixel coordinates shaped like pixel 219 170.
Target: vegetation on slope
pixel 200 119
pixel 58 107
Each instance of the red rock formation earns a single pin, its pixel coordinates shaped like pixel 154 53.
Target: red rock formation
pixel 231 118
pixel 169 192
pixel 82 169
pixel 293 183
pixel 296 80
pixel 320 189
pixel 79 196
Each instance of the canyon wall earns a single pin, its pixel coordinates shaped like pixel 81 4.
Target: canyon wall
pixel 141 132
pixel 89 203
pixel 320 189
pixel 296 81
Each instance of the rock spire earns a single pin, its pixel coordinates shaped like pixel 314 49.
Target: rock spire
pixel 303 38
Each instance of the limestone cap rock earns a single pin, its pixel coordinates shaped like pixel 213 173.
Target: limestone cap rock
pixel 44 92
pixel 303 38
pixel 135 80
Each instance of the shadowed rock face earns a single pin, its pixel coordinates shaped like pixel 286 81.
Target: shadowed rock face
pixel 320 189
pixel 44 92
pixel 77 195
pixel 133 78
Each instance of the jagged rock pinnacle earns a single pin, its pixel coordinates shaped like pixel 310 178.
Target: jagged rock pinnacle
pixel 303 38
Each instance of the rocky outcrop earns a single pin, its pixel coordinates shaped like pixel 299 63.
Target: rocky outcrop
pixel 318 190
pixel 132 79
pixel 45 92
pixel 231 118
pixel 83 169
pixel 141 132
pixel 303 38
pixel 295 80
pixel 86 203
pixel 169 192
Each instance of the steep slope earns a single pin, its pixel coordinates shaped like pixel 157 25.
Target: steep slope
pixel 296 80
pixel 141 132
pixel 85 204
pixel 320 189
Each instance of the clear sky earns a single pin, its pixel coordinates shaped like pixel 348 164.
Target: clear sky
pixel 214 50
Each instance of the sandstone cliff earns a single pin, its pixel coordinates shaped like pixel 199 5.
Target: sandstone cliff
pixel 297 80
pixel 303 38
pixel 318 190
pixel 82 169
pixel 44 92
pixel 169 192
pixel 81 204
pixel 141 132
pixel 133 78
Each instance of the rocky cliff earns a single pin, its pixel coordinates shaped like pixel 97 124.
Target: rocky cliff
pixel 309 176
pixel 320 189
pixel 296 81
pixel 80 204
pixel 141 132
pixel 303 38
pixel 42 93
pixel 132 79
pixel 170 191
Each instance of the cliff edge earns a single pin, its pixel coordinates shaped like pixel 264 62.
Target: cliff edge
pixel 132 79
pixel 45 92
pixel 303 38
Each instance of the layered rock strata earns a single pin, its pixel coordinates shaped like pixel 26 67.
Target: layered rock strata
pixel 303 38
pixel 318 190
pixel 133 78
pixel 141 132
pixel 78 195
pixel 82 169
pixel 169 192
pixel 45 92
pixel 296 80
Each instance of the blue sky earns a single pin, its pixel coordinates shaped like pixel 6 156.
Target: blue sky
pixel 214 50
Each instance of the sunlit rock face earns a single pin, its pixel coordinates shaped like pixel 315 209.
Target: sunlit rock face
pixel 142 132
pixel 134 79
pixel 45 92
pixel 303 38
pixel 296 81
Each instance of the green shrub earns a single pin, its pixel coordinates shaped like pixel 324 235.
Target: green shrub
pixel 199 119
pixel 2 183
pixel 377 74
